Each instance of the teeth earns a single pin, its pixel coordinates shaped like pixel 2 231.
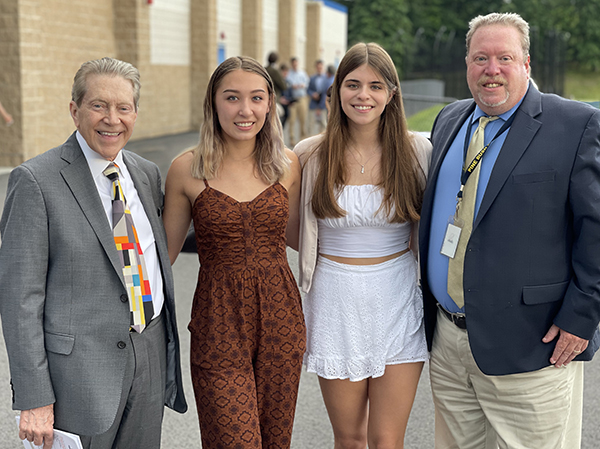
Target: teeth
pixel 493 85
pixel 363 108
pixel 244 125
pixel 108 134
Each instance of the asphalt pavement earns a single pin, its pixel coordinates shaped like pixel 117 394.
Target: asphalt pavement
pixel 311 427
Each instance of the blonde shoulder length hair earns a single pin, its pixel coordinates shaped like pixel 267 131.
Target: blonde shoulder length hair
pixel 402 178
pixel 269 152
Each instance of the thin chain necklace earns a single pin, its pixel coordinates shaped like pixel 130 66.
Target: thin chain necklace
pixel 362 166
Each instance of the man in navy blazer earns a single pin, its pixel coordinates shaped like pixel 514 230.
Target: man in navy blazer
pixel 506 367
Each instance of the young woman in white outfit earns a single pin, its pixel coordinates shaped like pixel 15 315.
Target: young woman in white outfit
pixel 362 185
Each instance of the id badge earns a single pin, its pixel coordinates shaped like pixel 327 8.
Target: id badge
pixel 451 237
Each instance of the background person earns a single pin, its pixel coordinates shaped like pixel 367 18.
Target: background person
pixel 298 108
pixel 361 195
pixel 279 83
pixel 240 185
pixel 67 315
pixel 518 295
pixel 317 87
pixel 286 98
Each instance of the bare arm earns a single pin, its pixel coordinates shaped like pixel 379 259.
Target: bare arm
pixel 177 215
pixel 292 184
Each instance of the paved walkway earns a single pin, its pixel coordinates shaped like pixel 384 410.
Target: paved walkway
pixel 312 429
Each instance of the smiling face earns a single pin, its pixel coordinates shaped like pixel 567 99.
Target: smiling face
pixel 242 104
pixel 363 96
pixel 107 114
pixel 497 70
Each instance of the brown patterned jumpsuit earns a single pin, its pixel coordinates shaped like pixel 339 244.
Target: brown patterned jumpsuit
pixel 247 328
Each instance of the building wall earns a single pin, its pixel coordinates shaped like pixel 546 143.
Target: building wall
pixel 10 85
pixel 334 32
pixel 270 28
pixel 324 41
pixel 229 22
pixel 56 36
pixel 301 36
pixel 174 44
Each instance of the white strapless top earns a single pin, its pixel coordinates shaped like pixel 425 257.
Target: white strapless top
pixel 362 232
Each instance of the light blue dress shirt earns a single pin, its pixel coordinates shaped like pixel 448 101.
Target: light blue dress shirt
pixel 444 200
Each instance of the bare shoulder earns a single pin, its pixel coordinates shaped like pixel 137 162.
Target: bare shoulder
pixel 293 157
pixel 181 165
pixel 295 173
pixel 180 179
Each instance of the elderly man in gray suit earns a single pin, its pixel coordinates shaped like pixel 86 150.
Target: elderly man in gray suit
pixel 86 289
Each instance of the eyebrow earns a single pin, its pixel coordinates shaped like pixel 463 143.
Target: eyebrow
pixel 358 81
pixel 235 91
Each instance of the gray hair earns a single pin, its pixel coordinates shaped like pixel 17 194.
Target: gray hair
pixel 105 66
pixel 510 19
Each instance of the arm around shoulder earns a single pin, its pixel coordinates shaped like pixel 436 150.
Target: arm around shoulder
pixel 293 183
pixel 177 213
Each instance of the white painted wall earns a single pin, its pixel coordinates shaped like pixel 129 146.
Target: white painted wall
pixel 301 37
pixel 170 32
pixel 229 24
pixel 334 35
pixel 270 28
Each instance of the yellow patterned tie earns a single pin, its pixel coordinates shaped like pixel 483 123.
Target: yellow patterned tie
pixel 466 213
pixel 131 255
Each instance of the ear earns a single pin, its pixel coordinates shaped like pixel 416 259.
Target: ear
pixel 528 67
pixel 391 95
pixel 73 109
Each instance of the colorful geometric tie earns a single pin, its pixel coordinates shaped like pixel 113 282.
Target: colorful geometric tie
pixel 466 213
pixel 131 255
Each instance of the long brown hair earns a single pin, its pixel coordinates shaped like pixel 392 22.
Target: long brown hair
pixel 402 178
pixel 269 152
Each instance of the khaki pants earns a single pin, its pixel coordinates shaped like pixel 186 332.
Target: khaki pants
pixel 317 121
pixel 536 410
pixel 298 111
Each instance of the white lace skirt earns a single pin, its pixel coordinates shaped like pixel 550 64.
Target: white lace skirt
pixel 360 318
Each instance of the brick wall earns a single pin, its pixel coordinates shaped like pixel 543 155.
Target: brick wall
pixel 44 42
pixel 10 86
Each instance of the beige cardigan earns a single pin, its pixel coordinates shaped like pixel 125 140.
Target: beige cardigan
pixel 308 222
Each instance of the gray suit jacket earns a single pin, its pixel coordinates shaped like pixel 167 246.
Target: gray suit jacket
pixel 533 258
pixel 62 293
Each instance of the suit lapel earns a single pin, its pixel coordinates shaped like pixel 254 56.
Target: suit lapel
pixel 78 177
pixel 520 135
pixel 452 125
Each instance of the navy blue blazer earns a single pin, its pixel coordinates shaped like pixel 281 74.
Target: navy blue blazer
pixel 533 258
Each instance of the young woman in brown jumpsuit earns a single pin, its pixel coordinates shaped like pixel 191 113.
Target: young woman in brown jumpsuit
pixel 241 186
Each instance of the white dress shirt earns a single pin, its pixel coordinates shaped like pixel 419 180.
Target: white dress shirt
pixel 97 165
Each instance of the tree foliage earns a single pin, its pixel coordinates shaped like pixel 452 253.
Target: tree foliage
pixel 383 21
pixel 399 24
